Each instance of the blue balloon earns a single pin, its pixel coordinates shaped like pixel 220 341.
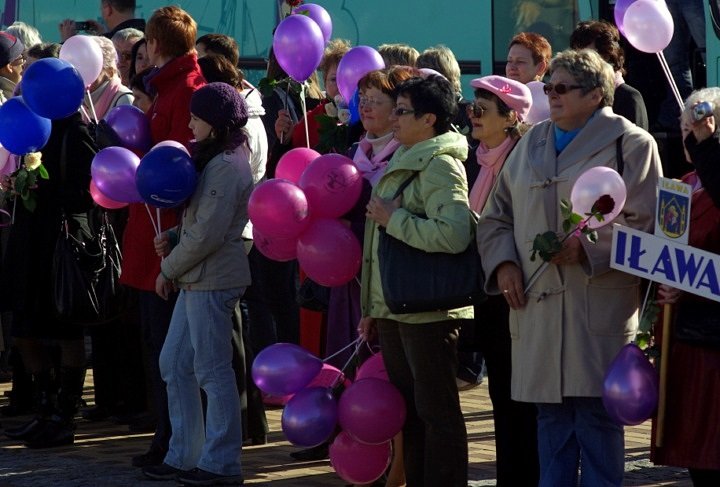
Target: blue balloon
pixel 53 88
pixel 310 417
pixel 166 177
pixel 354 107
pixel 21 129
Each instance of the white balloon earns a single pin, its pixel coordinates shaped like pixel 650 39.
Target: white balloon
pixel 85 54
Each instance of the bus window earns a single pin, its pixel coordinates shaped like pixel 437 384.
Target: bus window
pixel 553 19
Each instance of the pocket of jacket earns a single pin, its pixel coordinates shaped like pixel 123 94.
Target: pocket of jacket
pixel 611 310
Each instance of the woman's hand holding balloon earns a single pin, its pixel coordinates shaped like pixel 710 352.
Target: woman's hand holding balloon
pixel 367 328
pixel 284 127
pixel 162 244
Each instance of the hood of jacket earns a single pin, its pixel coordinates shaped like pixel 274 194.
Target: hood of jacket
pixel 419 155
pixel 254 102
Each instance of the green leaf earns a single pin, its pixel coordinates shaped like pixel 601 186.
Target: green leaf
pixel 592 236
pixel 42 171
pixel 567 225
pixel 29 203
pixel 642 340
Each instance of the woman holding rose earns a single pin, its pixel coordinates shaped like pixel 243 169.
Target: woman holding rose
pixel 566 329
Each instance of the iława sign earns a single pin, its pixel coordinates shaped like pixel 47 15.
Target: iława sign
pixel 664 257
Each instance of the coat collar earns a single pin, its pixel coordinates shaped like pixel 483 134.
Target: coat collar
pixel 163 78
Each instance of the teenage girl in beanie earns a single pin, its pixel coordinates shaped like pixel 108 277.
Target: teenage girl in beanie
pixel 205 258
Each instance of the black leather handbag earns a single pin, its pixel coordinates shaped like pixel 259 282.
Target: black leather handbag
pixel 415 281
pixel 86 271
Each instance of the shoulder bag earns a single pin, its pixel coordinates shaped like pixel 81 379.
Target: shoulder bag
pixel 415 281
pixel 86 266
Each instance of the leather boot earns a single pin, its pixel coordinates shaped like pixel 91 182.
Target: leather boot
pixel 60 429
pixel 42 384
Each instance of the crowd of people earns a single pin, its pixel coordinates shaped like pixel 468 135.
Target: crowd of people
pixel 202 300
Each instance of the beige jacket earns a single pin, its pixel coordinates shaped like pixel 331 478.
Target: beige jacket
pixel 577 317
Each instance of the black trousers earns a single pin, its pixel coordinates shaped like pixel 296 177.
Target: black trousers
pixel 421 361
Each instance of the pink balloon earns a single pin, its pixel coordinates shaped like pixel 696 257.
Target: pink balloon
pixel 630 389
pixel 358 463
pixel 329 252
pixel 374 368
pixel 280 249
pixel 103 200
pixel 593 184
pixel 319 15
pixel 170 143
pixel 278 208
pixel 332 185
pixel 648 25
pixel 298 45
pixel 113 170
pixel 540 108
pixel 292 164
pixel 355 64
pixel 372 411
pixel 85 54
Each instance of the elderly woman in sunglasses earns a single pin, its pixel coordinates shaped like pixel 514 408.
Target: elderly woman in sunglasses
pixel 420 349
pixel 568 326
pixel 497 115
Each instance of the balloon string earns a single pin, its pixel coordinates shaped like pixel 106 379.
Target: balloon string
pixel 357 344
pixel 9 218
pixel 304 109
pixel 156 229
pixel 671 80
pixel 285 106
pixel 85 114
pixel 354 342
pixel 92 105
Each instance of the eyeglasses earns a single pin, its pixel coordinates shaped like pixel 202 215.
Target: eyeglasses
pixel 399 111
pixel 17 62
pixel 474 110
pixel 560 88
pixel 369 102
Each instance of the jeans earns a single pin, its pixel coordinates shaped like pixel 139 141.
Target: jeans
pixel 579 431
pixel 421 361
pixel 689 19
pixel 198 352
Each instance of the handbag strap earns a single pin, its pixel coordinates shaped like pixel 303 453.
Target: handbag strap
pixel 405 184
pixel 619 155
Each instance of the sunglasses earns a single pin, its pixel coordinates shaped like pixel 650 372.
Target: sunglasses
pixel 474 110
pixel 560 88
pixel 399 112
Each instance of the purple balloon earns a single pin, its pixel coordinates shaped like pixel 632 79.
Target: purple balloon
pixel 355 64
pixel 298 45
pixel 621 7
pixel 630 390
pixel 310 417
pixel 319 15
pixel 113 170
pixel 131 126
pixel 284 368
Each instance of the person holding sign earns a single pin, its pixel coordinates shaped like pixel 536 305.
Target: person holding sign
pixel 692 424
pixel 569 325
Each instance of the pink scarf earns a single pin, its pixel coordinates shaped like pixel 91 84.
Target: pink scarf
pixel 103 97
pixel 372 156
pixel 491 161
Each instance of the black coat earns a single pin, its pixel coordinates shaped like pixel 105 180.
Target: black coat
pixel 629 103
pixel 26 277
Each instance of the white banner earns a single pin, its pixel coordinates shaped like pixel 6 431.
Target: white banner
pixel 665 261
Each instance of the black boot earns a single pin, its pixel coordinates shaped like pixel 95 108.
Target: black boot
pixel 60 430
pixel 21 396
pixel 43 394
